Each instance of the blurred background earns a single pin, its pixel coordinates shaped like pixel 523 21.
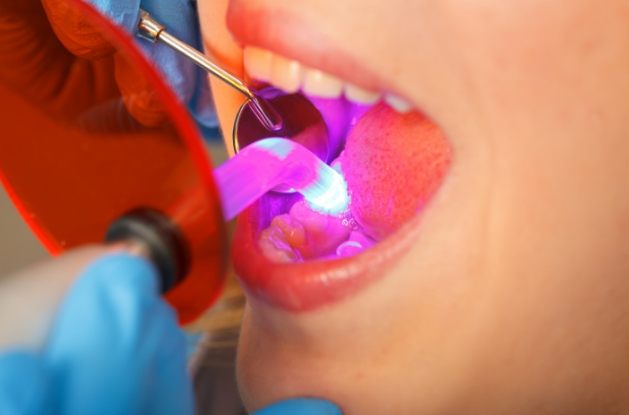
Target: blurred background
pixel 18 246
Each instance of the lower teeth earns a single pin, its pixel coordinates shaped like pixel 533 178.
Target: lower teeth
pixel 304 234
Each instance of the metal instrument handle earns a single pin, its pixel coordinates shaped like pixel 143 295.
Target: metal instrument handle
pixel 150 29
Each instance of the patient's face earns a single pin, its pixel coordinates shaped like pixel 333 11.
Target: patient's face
pixel 509 294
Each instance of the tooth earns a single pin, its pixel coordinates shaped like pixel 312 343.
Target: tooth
pixel 362 239
pixel 321 84
pixel 285 74
pixel 359 95
pixel 397 103
pixel 356 243
pixel 293 231
pixel 274 247
pixel 349 248
pixel 258 63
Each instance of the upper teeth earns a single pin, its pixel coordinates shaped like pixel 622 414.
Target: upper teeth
pixel 292 76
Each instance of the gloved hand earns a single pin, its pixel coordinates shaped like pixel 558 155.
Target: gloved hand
pixel 180 19
pixel 59 61
pixel 114 348
pixel 300 406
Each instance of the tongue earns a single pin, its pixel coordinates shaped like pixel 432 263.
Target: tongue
pixel 393 164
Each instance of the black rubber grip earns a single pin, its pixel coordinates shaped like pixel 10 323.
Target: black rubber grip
pixel 161 238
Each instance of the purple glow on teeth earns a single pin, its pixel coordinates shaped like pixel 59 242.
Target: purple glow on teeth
pixel 348 248
pixel 268 163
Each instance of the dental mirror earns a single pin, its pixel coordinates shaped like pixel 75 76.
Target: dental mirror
pixel 89 132
pixel 266 113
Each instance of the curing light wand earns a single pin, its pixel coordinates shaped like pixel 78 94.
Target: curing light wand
pixel 272 162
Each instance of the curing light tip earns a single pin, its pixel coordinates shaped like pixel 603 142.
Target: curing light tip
pixel 328 192
pixel 272 162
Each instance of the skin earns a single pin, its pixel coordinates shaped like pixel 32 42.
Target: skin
pixel 513 297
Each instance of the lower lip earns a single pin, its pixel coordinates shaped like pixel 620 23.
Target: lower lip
pixel 306 286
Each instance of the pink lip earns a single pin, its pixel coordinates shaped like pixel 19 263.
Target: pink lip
pixel 288 35
pixel 309 285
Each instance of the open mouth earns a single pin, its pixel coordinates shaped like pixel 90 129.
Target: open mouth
pixel 393 158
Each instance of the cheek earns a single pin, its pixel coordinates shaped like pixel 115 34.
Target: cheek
pixel 227 103
pixel 221 47
pixel 218 42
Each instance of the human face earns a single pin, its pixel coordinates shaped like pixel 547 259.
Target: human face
pixel 511 296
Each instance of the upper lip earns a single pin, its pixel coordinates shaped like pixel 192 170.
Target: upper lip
pixel 309 285
pixel 291 37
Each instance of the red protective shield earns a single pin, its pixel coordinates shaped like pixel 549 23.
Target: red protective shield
pixel 90 131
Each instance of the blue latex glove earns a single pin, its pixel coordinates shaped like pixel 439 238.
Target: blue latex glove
pixel 300 406
pixel 180 19
pixel 114 348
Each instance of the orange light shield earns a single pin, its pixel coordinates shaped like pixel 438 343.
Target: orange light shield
pixel 89 131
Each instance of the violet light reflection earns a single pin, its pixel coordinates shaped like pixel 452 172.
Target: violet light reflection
pixel 272 162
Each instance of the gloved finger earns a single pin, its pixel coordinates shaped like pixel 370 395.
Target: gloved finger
pixel 115 345
pixel 124 13
pixel 74 31
pixel 190 83
pixel 141 102
pixel 202 105
pixel 176 70
pixel 46 74
pixel 179 16
pixel 85 40
pixel 180 19
pixel 22 384
pixel 301 406
pixel 170 386
pixel 140 98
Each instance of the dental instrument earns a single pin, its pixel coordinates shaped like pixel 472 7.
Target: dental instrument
pixel 265 113
pixel 150 29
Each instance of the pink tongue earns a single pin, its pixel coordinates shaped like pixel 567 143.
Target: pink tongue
pixel 393 164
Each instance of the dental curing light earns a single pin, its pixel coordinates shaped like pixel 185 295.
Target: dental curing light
pixel 106 149
pixel 270 162
pixel 120 166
